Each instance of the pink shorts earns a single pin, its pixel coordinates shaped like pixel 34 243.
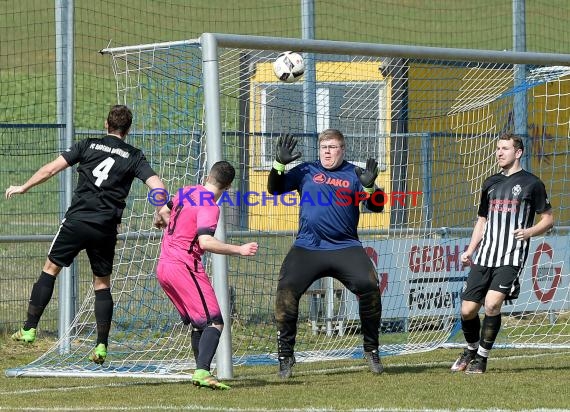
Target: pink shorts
pixel 190 290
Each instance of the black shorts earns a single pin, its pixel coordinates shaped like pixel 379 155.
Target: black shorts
pixel 504 279
pixel 351 266
pixel 98 241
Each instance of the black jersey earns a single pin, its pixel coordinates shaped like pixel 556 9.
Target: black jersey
pixel 509 203
pixel 107 168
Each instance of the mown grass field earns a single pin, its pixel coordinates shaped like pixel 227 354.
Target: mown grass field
pixel 515 380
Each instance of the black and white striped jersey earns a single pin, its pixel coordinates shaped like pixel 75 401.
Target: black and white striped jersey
pixel 509 203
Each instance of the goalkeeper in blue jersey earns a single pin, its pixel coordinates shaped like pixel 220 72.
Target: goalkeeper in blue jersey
pixel 327 243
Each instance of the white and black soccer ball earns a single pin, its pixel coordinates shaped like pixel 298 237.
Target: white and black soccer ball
pixel 289 67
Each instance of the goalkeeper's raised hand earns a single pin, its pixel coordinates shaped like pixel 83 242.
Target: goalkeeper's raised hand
pixel 285 146
pixel 368 176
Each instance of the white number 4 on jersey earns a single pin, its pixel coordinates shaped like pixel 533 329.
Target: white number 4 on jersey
pixel 101 172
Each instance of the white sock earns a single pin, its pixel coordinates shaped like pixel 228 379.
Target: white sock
pixel 483 352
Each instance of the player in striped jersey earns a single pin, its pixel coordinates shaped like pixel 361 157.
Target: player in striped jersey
pixel 505 223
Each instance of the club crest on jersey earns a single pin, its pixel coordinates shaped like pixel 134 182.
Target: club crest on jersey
pixel 321 178
pixel 516 190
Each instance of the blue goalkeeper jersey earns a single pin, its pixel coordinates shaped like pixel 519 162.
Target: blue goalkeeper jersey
pixel 329 205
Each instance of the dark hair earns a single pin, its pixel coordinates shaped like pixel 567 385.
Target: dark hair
pixel 517 140
pixel 119 119
pixel 222 174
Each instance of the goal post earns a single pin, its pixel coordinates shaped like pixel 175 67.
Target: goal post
pixel 430 116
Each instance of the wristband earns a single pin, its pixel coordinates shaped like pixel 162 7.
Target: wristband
pixel 369 190
pixel 280 167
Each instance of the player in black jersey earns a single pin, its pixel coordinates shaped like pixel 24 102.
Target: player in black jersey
pixel 107 167
pixel 505 223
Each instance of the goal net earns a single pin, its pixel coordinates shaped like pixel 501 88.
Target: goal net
pixel 432 124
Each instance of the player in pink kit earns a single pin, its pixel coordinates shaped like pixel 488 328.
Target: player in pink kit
pixel 191 218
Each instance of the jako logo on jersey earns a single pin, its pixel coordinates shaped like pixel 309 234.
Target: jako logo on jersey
pixel 321 178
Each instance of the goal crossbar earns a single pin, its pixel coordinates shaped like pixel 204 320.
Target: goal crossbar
pixel 356 48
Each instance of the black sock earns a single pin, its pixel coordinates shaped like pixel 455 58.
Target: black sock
pixel 195 340
pixel 42 292
pixel 103 314
pixel 471 329
pixel 208 345
pixel 489 331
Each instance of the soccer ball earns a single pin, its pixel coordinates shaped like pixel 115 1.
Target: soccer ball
pixel 289 67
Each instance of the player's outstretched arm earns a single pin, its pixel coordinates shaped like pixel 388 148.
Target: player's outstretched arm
pixel 367 177
pixel 375 203
pixel 154 183
pixel 44 173
pixel 284 154
pixel 211 244
pixel 163 217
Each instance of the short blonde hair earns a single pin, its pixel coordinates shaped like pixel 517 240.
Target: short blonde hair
pixel 331 134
